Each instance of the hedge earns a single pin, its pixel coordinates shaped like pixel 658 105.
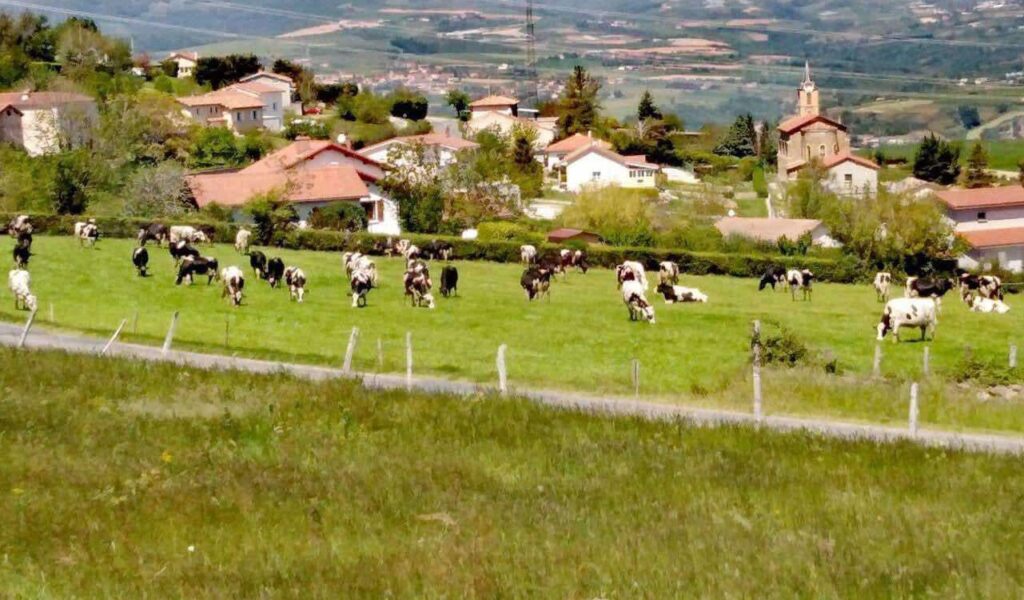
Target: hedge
pixel 843 270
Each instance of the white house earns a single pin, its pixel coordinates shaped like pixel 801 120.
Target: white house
pixel 556 152
pixel 37 121
pixel 597 166
pixel 440 148
pixel 186 62
pixel 501 114
pixel 241 107
pixel 991 221
pixel 772 230
pixel 851 175
pixel 282 83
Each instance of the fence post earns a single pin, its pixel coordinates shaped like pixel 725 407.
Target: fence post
pixel 756 349
pixel 170 334
pixel 28 326
pixel 876 366
pixel 380 355
pixel 925 366
pixel 1013 356
pixel 227 325
pixel 408 361
pixel 913 409
pixel 113 338
pixel 502 372
pixel 636 378
pixel 350 350
pixel 135 323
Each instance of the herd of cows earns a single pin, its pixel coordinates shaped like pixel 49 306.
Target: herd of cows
pixel 919 308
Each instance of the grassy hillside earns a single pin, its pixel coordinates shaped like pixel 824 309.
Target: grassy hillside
pixel 1003 155
pixel 581 340
pixel 122 479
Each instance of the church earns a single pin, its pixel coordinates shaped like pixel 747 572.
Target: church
pixel 810 136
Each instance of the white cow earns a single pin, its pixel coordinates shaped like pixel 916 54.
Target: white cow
pixel 242 239
pixel 87 232
pixel 527 254
pixel 634 295
pixel 631 271
pixel 882 283
pixel 182 233
pixel 988 305
pixel 800 280
pixel 234 282
pixel 18 281
pixel 908 312
pixel 356 262
pixel 295 279
pixel 668 272
pixel 678 293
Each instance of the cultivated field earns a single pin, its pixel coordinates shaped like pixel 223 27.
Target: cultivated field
pixel 124 479
pixel 580 340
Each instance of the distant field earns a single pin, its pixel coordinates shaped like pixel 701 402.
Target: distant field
pixel 581 340
pixel 1003 155
pixel 124 479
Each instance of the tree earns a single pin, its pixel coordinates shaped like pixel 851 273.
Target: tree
pixel 219 71
pixel 623 217
pixel 407 104
pixel 937 161
pixel 216 147
pixel 968 116
pixel 977 175
pixel 371 108
pixel 170 68
pixel 647 109
pixel 270 214
pixel 741 139
pixel 330 93
pixel 339 216
pixel 287 68
pixel 458 100
pixel 164 84
pixel 71 183
pixel 579 106
pixel 1020 172
pixel 158 191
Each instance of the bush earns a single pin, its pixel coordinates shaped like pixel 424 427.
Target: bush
pixel 339 216
pixel 783 348
pixel 504 231
pixel 972 369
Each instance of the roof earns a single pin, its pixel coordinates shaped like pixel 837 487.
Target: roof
pixel 799 122
pixel 325 184
pixel 300 151
pixel 261 74
pixel 192 56
pixel 990 197
pixel 256 87
pixel 231 99
pixel 764 229
pixel 567 233
pixel 493 101
pixel 429 139
pixel 994 238
pixel 572 143
pixel 838 159
pixel 31 100
pixel 639 161
pixel 4 107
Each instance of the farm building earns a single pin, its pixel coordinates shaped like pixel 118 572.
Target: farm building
pixel 597 166
pixel 772 230
pixel 36 121
pixel 566 235
pixel 994 247
pixel 309 174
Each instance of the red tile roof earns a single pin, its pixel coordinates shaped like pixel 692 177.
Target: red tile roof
pixel 31 100
pixel 428 139
pixel 799 122
pixel 300 151
pixel 838 159
pixel 572 143
pixel 277 76
pixel 991 197
pixel 230 99
pixel 324 184
pixel 493 101
pixel 994 238
pixel 630 161
pixel 567 233
pixel 256 87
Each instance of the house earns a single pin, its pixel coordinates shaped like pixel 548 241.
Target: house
pixel 38 121
pixel 812 137
pixel 501 113
pixel 282 83
pixel 770 230
pixel 597 166
pixel 566 235
pixel 310 174
pixel 991 221
pixel 442 148
pixel 557 151
pixel 1003 247
pixel 186 62
pixel 241 107
pixel 494 104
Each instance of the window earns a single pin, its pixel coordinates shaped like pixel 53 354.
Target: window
pixel 595 175
pixel 821 151
pixel 808 153
pixel 982 217
pixel 253 115
pixel 274 105
pixel 835 149
pixel 848 179
pixel 238 116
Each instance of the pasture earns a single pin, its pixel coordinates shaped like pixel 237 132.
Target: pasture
pixel 581 340
pixel 125 479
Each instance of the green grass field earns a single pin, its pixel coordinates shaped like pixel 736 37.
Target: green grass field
pixel 1003 155
pixel 123 479
pixel 581 340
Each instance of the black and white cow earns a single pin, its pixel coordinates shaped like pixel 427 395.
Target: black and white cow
pixel 438 250
pixel 536 282
pixel 908 312
pixel 188 233
pixel 234 283
pixel 295 279
pixel 87 232
pixel 631 271
pixel 882 284
pixel 772 277
pixel 527 254
pixel 22 253
pixel 668 272
pixel 157 232
pixel 988 305
pixel 800 280
pixel 986 286
pixel 678 294
pixel 580 262
pixel 449 281
pixel 140 258
pixel 181 250
pixel 19 225
pixel 635 297
pixel 258 262
pixel 275 271
pixel 200 265
pixel 926 287
pixel 361 286
pixel 417 287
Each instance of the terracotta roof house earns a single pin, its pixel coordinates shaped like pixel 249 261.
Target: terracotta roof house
pixel 244 106
pixel 282 84
pixel 557 151
pixel 186 62
pixel 772 230
pixel 991 220
pixel 565 234
pixel 35 121
pixel 596 165
pixel 443 147
pixel 309 174
pixel 495 103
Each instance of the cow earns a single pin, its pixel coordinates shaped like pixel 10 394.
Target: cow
pixel 21 253
pixel 401 247
pixel 18 225
pixel 988 305
pixel 908 312
pixel 773 276
pixel 242 239
pixel 355 261
pixel 631 271
pixel 449 281
pixel 986 286
pixel 361 286
pixel 565 260
pixel 186 233
pixel 200 237
pixel 197 265
pixel 295 279
pixel 18 281
pixel 140 258
pixel 87 232
pixel 258 262
pixel 234 283
pixel 527 254
pixel 579 261
pixel 882 283
pixel 668 272
pixel 412 252
pixel 800 280
pixel 635 297
pixel 180 250
pixel 923 287
pixel 157 232
pixel 275 271
pixel 438 250
pixel 677 293
pixel 417 287
pixel 536 282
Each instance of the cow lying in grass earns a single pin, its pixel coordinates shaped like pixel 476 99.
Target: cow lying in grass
pixel 679 294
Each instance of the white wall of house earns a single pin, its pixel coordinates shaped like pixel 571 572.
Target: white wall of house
pixel 1010 258
pixel 594 170
pixel 274 107
pixel 852 179
pixel 244 119
pixel 987 218
pixel 186 67
pixel 385 221
pixel 284 88
pixel 441 155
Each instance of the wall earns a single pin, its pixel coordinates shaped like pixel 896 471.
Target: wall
pixel 41 130
pixel 997 218
pixel 10 127
pixel 1010 258
pixel 274 108
pixel 581 173
pixel 864 179
pixel 243 120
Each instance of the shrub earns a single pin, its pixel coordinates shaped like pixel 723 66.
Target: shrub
pixel 339 216
pixel 972 369
pixel 784 348
pixel 504 231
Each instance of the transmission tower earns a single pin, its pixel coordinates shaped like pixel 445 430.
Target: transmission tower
pixel 530 74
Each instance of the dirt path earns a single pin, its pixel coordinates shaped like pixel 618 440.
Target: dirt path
pixel 605 405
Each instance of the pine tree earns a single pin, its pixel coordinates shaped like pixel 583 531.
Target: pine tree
pixel 937 161
pixel 647 109
pixel 977 175
pixel 741 139
pixel 578 107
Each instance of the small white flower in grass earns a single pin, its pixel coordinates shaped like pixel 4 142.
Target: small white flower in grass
pixel 191 548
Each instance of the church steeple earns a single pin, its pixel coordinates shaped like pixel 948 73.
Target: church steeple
pixel 807 94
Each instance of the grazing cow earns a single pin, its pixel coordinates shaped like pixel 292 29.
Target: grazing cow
pixel 355 261
pixel 773 276
pixel 989 305
pixel 677 293
pixel 87 232
pixel 417 286
pixel 412 252
pixel 22 252
pixel 383 247
pixel 258 262
pixel 631 271
pixel 157 232
pixel 275 271
pixel 234 282
pixel 18 281
pixel 668 272
pixel 908 312
pixel 635 297
pixel 361 286
pixel 579 261
pixel 800 280
pixel 242 239
pixel 449 281
pixel 536 282
pixel 882 283
pixel 923 287
pixel 19 225
pixel 180 250
pixel 565 260
pixel 438 250
pixel 401 247
pixel 295 279
pixel 198 265
pixel 185 233
pixel 986 286
pixel 140 258
pixel 527 254
pixel 200 237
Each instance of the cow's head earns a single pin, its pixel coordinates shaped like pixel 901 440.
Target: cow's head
pixel 885 325
pixel 666 289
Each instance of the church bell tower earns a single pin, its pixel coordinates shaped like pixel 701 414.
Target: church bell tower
pixel 807 95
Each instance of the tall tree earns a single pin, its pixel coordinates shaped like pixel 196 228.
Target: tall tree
pixel 579 106
pixel 219 71
pixel 937 161
pixel 977 175
pixel 741 139
pixel 458 100
pixel 407 104
pixel 647 109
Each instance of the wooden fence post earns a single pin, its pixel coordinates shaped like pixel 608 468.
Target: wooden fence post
pixel 113 338
pixel 876 366
pixel 1013 356
pixel 925 366
pixel 408 361
pixel 170 334
pixel 135 323
pixel 914 410
pixel 502 371
pixel 756 349
pixel 227 326
pixel 28 326
pixel 380 355
pixel 350 350
pixel 636 378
